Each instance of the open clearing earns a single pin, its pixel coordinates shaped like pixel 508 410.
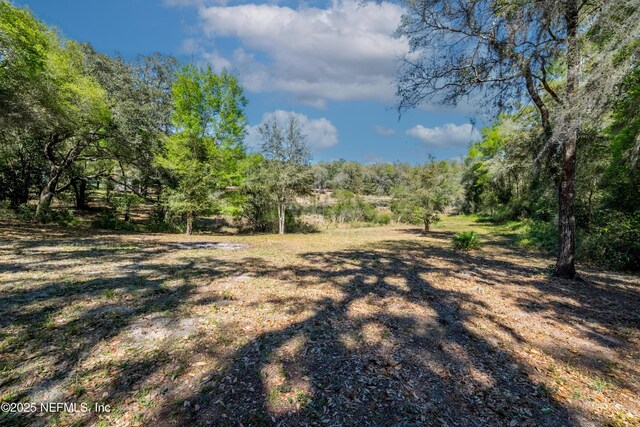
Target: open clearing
pixel 366 326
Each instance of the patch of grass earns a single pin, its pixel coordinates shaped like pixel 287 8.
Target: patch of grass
pixel 385 334
pixel 302 399
pixel 621 419
pixel 162 289
pixel 532 235
pixel 144 397
pixel 227 295
pixel 283 388
pixel 599 385
pixel 225 340
pixel 273 396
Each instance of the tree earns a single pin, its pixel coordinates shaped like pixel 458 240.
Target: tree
pixel 564 56
pixel 204 152
pixel 139 94
pixel 499 177
pixel 48 102
pixel 80 117
pixel 427 197
pixel 623 175
pixel 285 173
pixel 25 44
pixel 320 175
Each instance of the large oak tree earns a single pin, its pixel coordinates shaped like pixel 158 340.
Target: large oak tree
pixel 563 56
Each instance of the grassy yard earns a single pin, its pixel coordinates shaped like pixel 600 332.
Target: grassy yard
pixel 361 326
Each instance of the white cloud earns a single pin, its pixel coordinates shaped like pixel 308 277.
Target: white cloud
pixel 384 131
pixel 448 135
pixel 320 133
pixel 190 46
pixel 344 52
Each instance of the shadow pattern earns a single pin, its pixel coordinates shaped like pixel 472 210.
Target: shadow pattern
pixel 390 346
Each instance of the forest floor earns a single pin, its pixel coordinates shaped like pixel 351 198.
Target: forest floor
pixel 349 326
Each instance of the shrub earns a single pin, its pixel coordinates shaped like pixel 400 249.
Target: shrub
pixel 66 217
pixel 537 235
pixel 353 209
pixel 160 221
pixel 6 212
pixel 110 221
pixel 294 224
pixel 259 210
pixel 125 202
pixel 383 219
pixel 466 240
pixel 27 212
pixel 615 246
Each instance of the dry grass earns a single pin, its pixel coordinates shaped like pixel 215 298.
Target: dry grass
pixel 368 326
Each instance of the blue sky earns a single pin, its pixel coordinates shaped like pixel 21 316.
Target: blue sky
pixel 331 63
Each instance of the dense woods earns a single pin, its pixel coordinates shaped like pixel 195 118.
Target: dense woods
pixel 155 145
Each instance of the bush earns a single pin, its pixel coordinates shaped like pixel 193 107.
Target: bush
pixel 383 219
pixel 293 223
pixel 259 210
pixel 110 221
pixel 353 209
pixel 160 221
pixel 465 241
pixel 66 217
pixel 7 212
pixel 537 235
pixel 27 212
pixel 615 246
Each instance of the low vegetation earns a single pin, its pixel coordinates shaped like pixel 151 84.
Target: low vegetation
pixel 465 241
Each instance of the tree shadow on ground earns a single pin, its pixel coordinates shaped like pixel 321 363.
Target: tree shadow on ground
pixel 424 366
pixel 54 333
pixel 432 233
pixel 391 346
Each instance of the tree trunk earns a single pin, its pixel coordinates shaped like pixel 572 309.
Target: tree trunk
pixel 44 204
pixel 189 228
pixel 80 190
pixel 565 263
pixel 281 216
pixel 46 196
pixel 427 226
pixel 57 169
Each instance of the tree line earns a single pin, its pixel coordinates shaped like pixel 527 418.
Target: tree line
pixel 143 131
pixel 561 157
pixel 150 131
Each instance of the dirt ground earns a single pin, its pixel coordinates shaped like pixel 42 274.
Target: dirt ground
pixel 368 326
